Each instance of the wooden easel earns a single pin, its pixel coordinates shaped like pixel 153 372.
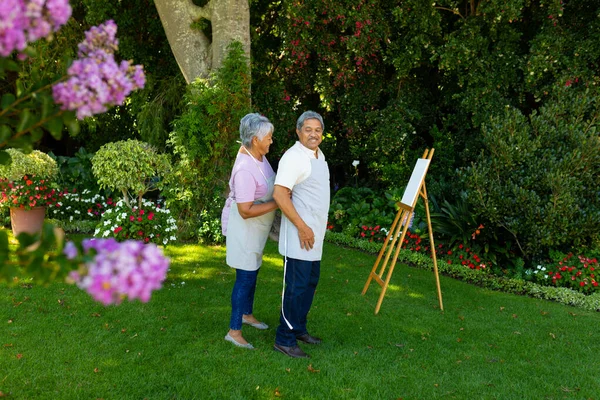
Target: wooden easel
pixel 414 190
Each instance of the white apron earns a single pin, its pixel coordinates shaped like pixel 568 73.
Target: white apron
pixel 311 201
pixel 246 238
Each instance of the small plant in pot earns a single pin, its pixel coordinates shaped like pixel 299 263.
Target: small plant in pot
pixel 26 187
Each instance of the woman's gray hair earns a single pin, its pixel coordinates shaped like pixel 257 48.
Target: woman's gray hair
pixel 309 115
pixel 254 125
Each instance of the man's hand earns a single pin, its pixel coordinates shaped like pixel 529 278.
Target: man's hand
pixel 307 237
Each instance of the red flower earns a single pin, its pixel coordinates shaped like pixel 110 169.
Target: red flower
pixel 362 234
pixel 449 252
pixel 131 217
pixel 140 233
pixel 29 182
pixel 141 212
pixel 140 219
pixel 150 216
pixel 118 229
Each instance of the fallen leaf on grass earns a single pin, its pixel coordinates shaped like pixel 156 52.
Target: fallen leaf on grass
pixel 572 314
pixel 277 393
pixel 517 332
pixel 553 335
pixel 501 308
pixel 19 356
pixel 458 340
pixel 8 345
pixel 461 317
pixel 514 315
pixel 10 321
pixel 95 315
pixel 123 330
pixel 2 394
pixel 311 369
pixel 287 370
pixel 544 312
pixel 96 370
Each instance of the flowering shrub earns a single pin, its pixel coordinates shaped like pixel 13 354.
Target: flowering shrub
pixel 95 80
pixel 118 270
pixel 27 21
pixel 578 273
pixel 72 205
pixel 463 255
pixel 151 223
pixel 373 233
pixel 26 193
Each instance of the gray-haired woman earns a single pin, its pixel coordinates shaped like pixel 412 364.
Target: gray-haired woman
pixel 246 220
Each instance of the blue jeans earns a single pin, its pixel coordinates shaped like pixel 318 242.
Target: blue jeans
pixel 301 279
pixel 242 296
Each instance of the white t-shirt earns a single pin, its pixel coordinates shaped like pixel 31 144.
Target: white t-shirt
pixel 294 166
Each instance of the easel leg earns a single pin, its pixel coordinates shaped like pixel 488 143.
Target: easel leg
pixel 391 270
pixel 390 234
pixel 435 268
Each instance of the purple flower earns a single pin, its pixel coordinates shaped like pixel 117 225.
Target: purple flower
pixel 129 269
pixel 96 81
pixel 29 20
pixel 70 251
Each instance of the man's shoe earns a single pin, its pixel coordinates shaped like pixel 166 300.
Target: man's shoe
pixel 294 351
pixel 306 338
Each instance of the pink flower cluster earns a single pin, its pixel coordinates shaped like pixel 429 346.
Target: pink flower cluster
pixel 129 269
pixel 23 21
pixel 96 81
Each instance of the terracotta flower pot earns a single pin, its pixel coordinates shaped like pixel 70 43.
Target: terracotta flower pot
pixel 30 221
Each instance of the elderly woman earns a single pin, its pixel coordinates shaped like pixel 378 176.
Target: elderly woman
pixel 246 220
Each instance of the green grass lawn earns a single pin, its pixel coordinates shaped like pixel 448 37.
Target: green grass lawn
pixel 56 343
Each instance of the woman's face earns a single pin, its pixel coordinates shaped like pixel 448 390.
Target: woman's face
pixel 261 146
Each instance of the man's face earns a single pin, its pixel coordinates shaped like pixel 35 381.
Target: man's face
pixel 311 134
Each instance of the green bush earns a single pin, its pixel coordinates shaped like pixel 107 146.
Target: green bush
pixel 35 163
pixel 130 165
pixel 538 175
pixel 76 172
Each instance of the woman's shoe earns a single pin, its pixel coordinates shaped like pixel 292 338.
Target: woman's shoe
pixel 259 325
pixel 232 340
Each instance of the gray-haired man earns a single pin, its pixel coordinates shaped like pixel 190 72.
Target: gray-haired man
pixel 302 171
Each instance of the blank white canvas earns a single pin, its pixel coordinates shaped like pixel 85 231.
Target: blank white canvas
pixel 414 184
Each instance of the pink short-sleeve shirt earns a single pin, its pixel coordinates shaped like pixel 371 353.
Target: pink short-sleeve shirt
pixel 246 183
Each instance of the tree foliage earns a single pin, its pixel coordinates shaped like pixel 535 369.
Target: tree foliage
pixel 203 141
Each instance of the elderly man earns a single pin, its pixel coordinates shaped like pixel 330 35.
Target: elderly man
pixel 303 172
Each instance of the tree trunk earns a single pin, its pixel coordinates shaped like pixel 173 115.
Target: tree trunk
pixel 196 55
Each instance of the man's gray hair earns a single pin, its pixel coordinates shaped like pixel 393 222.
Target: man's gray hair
pixel 309 115
pixel 253 125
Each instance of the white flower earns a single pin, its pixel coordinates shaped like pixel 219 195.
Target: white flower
pixel 172 238
pixel 355 163
pixel 96 232
pixel 106 233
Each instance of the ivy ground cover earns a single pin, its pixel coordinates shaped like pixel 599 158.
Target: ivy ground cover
pixel 55 342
